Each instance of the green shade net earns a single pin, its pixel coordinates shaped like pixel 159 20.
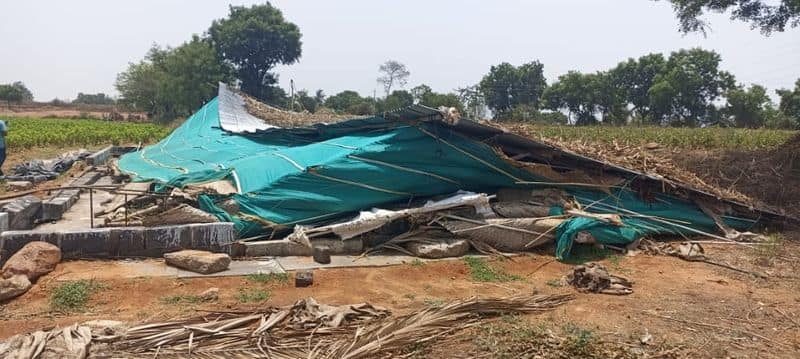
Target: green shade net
pixel 309 176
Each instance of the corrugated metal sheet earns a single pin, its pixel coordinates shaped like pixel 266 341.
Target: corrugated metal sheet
pixel 233 115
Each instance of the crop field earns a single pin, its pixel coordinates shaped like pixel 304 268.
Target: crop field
pixel 38 132
pixel 690 138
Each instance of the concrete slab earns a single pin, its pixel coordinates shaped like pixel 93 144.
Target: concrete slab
pixel 77 270
pixel 100 157
pixel 23 212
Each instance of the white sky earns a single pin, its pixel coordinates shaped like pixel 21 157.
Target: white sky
pixel 59 48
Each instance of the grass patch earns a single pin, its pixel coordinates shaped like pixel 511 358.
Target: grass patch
pixel 434 302
pixel 179 299
pixel 252 295
pixel 555 283
pixel 417 263
pixel 268 277
pixel 73 295
pixel 766 252
pixel 480 271
pixel 579 340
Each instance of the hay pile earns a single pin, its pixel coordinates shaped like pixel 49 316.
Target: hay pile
pixel 289 119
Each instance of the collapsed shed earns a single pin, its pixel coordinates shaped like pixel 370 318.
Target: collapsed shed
pixel 308 181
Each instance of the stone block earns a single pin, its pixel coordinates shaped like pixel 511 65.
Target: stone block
pixel 304 279
pixel 338 246
pixel 276 248
pixel 100 157
pixel 160 240
pixel 212 236
pixel 322 254
pixel 203 262
pixel 18 185
pixel 3 222
pixel 127 242
pixel 53 209
pixel 23 212
pixel 85 243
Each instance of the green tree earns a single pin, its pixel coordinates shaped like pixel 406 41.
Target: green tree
pixel 684 93
pixel 398 99
pixel 507 86
pixel 769 16
pixel 635 77
pixel 170 83
pixel 93 99
pixel 575 93
pixel 424 95
pixel 748 107
pixel 254 40
pixel 15 92
pixel 790 103
pixel 350 102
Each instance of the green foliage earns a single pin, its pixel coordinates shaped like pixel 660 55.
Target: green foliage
pixel 417 263
pixel 398 99
pixel 268 277
pixel 255 39
pixel 15 92
pixel 424 95
pixel 252 295
pixel 684 93
pixel 689 138
pixel 172 83
pixel 748 108
pixel 769 16
pixel 32 132
pixel 93 99
pixel 507 86
pixel 576 93
pixel 480 271
pixel 350 102
pixel 790 106
pixel 555 283
pixel 634 79
pixel 73 295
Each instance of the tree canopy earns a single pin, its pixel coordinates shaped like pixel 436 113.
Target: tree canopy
pixel 253 40
pixel 766 15
pixel 507 86
pixel 93 99
pixel 15 92
pixel 173 82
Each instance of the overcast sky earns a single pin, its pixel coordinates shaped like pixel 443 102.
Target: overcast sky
pixel 59 48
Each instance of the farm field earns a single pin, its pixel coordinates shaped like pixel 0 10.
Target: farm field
pixel 679 137
pixel 27 133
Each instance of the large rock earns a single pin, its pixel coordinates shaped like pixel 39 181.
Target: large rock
pixel 13 287
pixel 34 260
pixel 199 261
pixel 444 249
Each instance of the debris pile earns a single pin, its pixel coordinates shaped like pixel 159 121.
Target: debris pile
pixel 594 278
pixel 303 330
pixel 43 170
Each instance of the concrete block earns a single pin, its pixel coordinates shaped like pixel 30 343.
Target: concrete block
pixel 212 236
pixel 88 178
pixel 276 248
pixel 85 243
pixel 53 209
pixel 3 222
pixel 127 242
pixel 285 247
pixel 160 240
pixel 121 150
pixel 23 212
pixel 18 185
pixel 100 157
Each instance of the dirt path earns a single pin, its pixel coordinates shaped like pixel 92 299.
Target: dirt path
pixel 715 312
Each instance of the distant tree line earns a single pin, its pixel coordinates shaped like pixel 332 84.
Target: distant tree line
pixel 685 88
pixel 15 93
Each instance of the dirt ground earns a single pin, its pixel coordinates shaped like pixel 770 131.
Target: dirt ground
pixel 702 310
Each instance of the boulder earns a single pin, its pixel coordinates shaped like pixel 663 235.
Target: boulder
pixel 202 262
pixel 210 294
pixel 34 260
pixel 13 287
pixel 444 249
pixel 322 254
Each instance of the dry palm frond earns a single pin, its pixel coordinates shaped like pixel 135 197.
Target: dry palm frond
pixel 304 330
